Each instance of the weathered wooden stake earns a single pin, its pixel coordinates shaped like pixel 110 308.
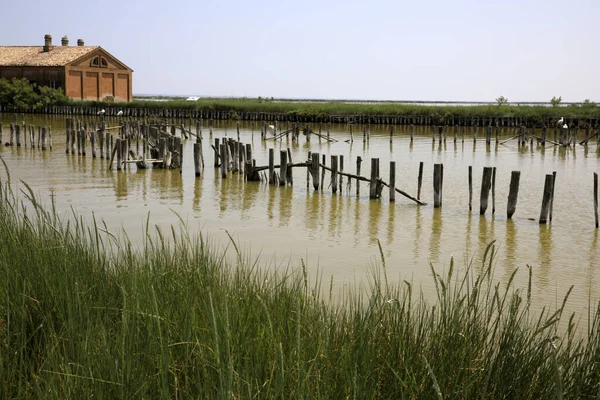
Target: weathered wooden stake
pixel 493 190
pixel 341 170
pixel 334 173
pixel 271 166
pixel 314 170
pixel 420 180
pixel 358 161
pixel 412 132
pixel 223 151
pixel 283 168
pixel 217 150
pixel 12 134
pixel 546 199
pixel 438 181
pixel 513 193
pixel 392 181
pixel 44 136
pixel 552 194
pixel 470 187
pixel 486 183
pixel 119 154
pixel 197 159
pixel 374 178
pixel 596 198
pixel 323 172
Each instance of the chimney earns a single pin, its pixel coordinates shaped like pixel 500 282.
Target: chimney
pixel 64 41
pixel 47 43
pixel 80 42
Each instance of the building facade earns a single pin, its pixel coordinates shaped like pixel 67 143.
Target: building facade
pixel 84 72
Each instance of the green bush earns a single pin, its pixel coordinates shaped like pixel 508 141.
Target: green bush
pixel 22 94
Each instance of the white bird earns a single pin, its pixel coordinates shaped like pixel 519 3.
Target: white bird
pixel 560 121
pixel 271 129
pixel 120 113
pixel 565 126
pixel 101 112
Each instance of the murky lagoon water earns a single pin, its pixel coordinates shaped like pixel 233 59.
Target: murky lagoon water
pixel 338 235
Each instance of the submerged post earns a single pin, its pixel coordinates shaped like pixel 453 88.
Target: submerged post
pixel 470 187
pixel 271 166
pixel 334 173
pixel 420 180
pixel 314 170
pixel 486 183
pixel 548 186
pixel 374 177
pixel 392 181
pixel 513 193
pixel 197 159
pixel 596 198
pixel 283 167
pixel 358 161
pixel 438 181
pixel 552 194
pixel 493 190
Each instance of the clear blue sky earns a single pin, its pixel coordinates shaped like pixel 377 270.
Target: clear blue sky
pixel 419 50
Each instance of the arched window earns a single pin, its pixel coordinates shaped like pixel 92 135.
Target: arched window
pixel 103 63
pixel 95 62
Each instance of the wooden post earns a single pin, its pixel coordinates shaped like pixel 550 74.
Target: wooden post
pixel 552 194
pixel 282 167
pixel 93 139
pixel 548 184
pixel 486 183
pixel 392 181
pixel 358 161
pixel 119 154
pixel 1 128
pixel 513 193
pixel 67 134
pixel 596 198
pixel 391 133
pixel 420 180
pixel 44 136
pixel 12 134
pixel 314 170
pixel 309 167
pixel 341 170
pixel 437 185
pixel 217 149
pixel 271 166
pixel 334 170
pixel 223 151
pixel 101 134
pixel 83 141
pixel 412 132
pixel 488 137
pixel 374 178
pixel 18 135
pixel 324 160
pixel 290 174
pixel 493 190
pixel 197 159
pixel 470 187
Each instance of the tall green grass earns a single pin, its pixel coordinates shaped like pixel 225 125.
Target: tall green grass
pixel 84 313
pixel 340 108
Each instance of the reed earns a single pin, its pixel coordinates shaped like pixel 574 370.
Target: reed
pixel 84 313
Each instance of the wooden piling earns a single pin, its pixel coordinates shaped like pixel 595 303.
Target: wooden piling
pixel 334 173
pixel 271 166
pixel 341 169
pixel 197 159
pixel 283 168
pixel 438 182
pixel 290 174
pixel 223 151
pixel 513 193
pixel 493 190
pixel 119 154
pixel 323 172
pixel 93 140
pixel 358 162
pixel 412 132
pixel 44 137
pixel 596 198
pixel 374 177
pixel 314 170
pixel 392 181
pixel 1 128
pixel 470 187
pixel 486 183
pixel 12 134
pixel 217 149
pixel 391 133
pixel 420 180
pixel 552 194
pixel 548 186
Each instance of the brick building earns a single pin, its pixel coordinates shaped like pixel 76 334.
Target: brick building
pixel 84 72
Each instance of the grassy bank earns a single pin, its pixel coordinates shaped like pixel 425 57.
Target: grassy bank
pixel 339 108
pixel 82 318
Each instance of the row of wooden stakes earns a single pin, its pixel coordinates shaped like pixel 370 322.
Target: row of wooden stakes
pixel 19 137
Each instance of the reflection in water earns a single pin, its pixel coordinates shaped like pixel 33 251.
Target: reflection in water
pixel 285 205
pixel 544 253
pixel 436 232
pixel 510 243
pixel 198 191
pixel 374 215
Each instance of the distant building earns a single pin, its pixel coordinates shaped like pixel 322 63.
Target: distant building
pixel 84 72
